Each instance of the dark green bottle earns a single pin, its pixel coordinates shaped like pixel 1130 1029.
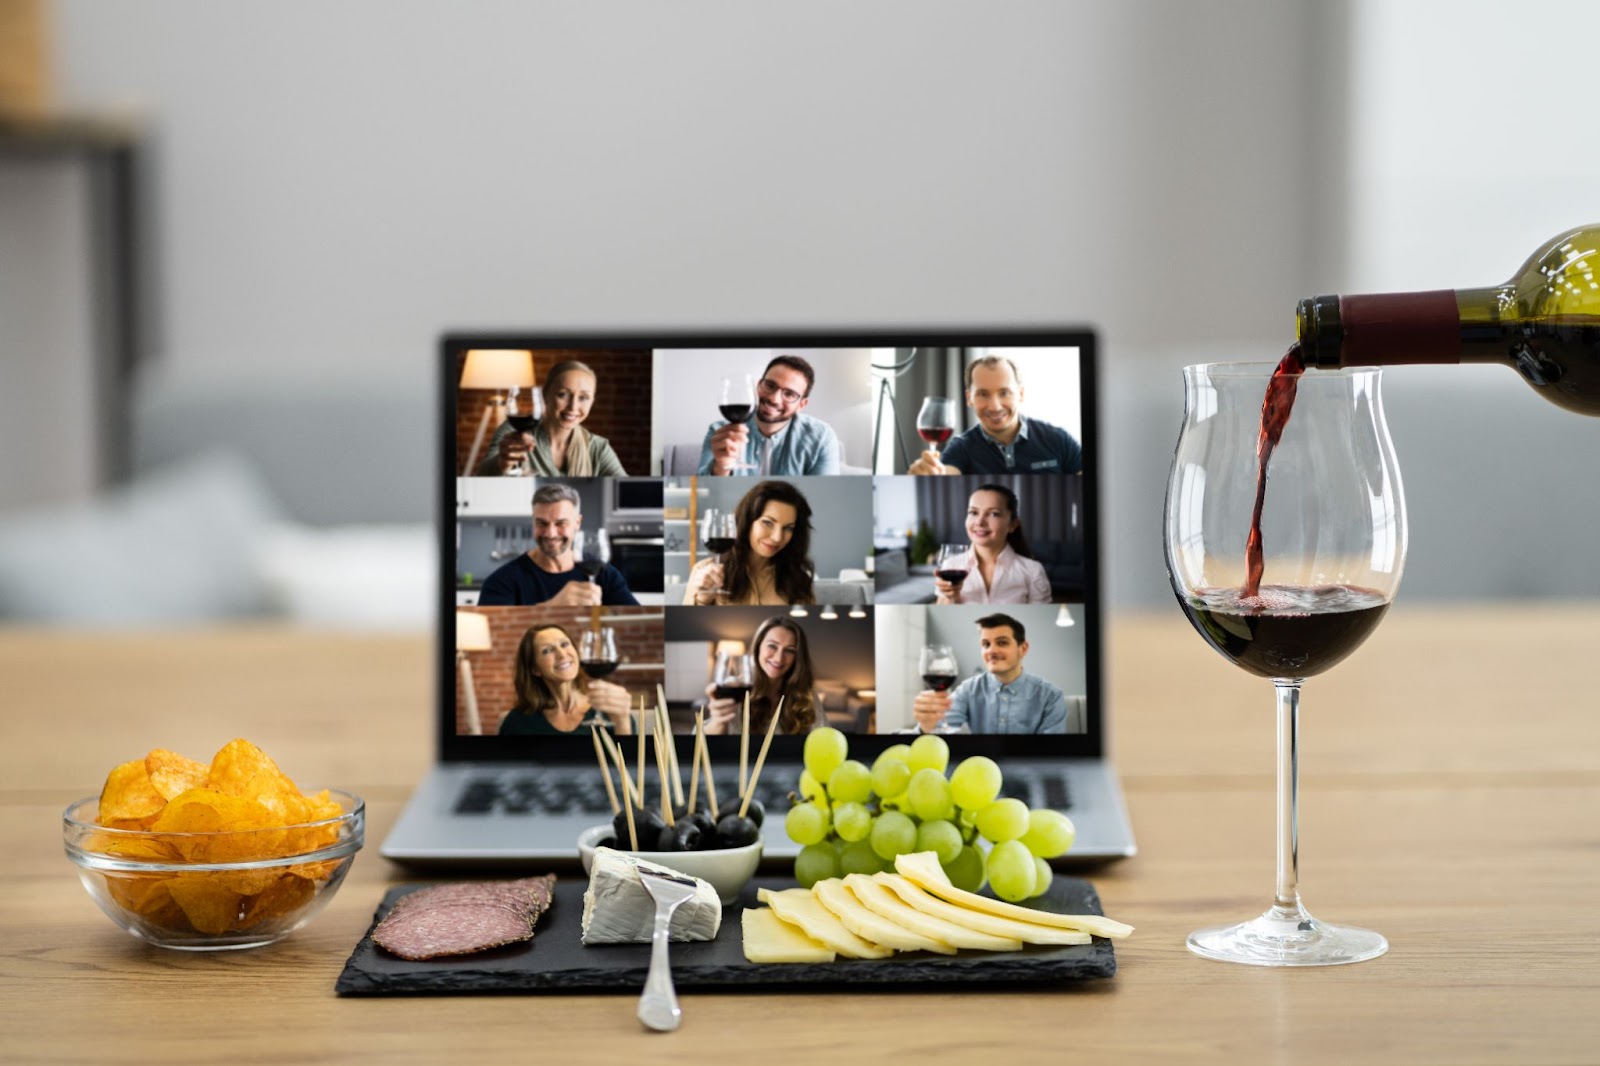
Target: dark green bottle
pixel 1544 323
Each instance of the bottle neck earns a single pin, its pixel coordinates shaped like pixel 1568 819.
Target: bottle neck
pixel 1378 329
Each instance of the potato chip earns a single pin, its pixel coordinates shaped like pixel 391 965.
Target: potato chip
pixel 284 897
pixel 245 830
pixel 242 769
pixel 128 795
pixel 173 774
pixel 211 908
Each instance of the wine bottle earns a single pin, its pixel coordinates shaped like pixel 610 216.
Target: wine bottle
pixel 1544 323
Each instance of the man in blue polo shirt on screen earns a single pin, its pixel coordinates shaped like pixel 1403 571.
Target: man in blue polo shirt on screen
pixel 548 573
pixel 1003 441
pixel 1002 699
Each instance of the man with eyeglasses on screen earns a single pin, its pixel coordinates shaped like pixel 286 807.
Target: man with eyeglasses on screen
pixel 785 443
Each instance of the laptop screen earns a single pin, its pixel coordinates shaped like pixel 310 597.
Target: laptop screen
pixel 885 532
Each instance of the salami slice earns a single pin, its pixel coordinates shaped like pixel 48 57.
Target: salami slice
pixel 462 917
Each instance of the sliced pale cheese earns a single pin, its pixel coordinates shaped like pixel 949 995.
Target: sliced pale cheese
pixel 768 938
pixel 878 899
pixel 864 923
pixel 800 908
pixel 993 924
pixel 923 869
pixel 617 909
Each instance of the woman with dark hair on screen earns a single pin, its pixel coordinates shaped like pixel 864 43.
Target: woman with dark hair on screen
pixel 557 445
pixel 783 668
pixel 770 561
pixel 554 695
pixel 1000 566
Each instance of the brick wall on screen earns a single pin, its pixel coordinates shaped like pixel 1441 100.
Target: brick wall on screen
pixel 494 671
pixel 621 411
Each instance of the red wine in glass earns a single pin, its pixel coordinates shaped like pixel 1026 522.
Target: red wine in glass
pixel 718 545
pixel 1285 630
pixel 736 693
pixel 939 682
pixel 599 669
pixel 936 420
pixel 735 412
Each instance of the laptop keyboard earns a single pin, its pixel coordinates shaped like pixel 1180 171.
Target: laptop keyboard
pixel 558 792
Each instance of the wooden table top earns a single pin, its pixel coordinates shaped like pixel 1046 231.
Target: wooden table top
pixel 1450 799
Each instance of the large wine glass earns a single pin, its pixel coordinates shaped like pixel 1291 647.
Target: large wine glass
pixel 719 531
pixel 1329 535
pixel 597 652
pixel 951 563
pixel 936 420
pixel 940 672
pixel 591 549
pixel 737 400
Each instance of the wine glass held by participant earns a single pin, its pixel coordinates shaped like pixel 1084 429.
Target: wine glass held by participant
pixel 783 669
pixel 554 695
pixel 1004 441
pixel 548 573
pixel 1003 699
pixel 770 561
pixel 776 438
pixel 1000 565
pixel 558 444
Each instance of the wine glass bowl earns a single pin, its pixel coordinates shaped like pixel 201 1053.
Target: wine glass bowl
pixel 734 675
pixel 1323 511
pixel 719 531
pixel 597 652
pixel 951 562
pixel 592 551
pixel 936 420
pixel 736 400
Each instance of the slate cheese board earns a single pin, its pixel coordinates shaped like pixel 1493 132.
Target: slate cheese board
pixel 555 960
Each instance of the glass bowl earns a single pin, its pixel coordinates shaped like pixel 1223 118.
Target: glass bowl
pixel 214 891
pixel 725 869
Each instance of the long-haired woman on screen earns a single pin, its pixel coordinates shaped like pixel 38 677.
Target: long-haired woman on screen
pixel 770 561
pixel 783 669
pixel 1000 565
pixel 556 445
pixel 554 695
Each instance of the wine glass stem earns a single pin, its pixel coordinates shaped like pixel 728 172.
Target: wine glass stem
pixel 1287 896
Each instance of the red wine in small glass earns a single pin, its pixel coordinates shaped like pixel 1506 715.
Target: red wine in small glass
pixel 735 412
pixel 718 545
pixel 951 564
pixel 599 669
pixel 935 435
pixel 736 693
pixel 940 682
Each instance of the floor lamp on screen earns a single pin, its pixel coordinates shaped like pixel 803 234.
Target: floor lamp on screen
pixel 507 369
pixel 472 634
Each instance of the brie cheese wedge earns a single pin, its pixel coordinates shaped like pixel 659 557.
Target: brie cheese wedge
pixel 618 910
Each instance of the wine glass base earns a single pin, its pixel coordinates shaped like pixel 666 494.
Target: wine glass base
pixel 1287 937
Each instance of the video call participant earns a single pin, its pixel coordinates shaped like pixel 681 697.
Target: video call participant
pixel 786 443
pixel 554 695
pixel 1000 566
pixel 770 561
pixel 548 573
pixel 1005 699
pixel 558 445
pixel 783 668
pixel 1003 441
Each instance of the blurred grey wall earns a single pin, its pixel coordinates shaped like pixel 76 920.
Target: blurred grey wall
pixel 335 184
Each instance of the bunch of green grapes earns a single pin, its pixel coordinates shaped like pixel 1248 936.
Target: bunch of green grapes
pixel 851 818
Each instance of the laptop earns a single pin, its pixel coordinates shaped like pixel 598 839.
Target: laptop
pixel 813 434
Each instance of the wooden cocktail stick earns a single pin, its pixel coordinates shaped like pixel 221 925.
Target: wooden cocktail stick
pixel 744 742
pixel 694 758
pixel 661 771
pixel 750 790
pixel 711 784
pixel 640 761
pixel 672 746
pixel 627 792
pixel 605 770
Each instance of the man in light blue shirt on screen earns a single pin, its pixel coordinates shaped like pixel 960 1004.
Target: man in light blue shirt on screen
pixel 1004 699
pixel 775 440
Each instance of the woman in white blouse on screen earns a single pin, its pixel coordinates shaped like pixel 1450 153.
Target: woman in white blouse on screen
pixel 1000 567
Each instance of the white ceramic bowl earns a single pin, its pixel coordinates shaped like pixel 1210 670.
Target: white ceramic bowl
pixel 727 869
